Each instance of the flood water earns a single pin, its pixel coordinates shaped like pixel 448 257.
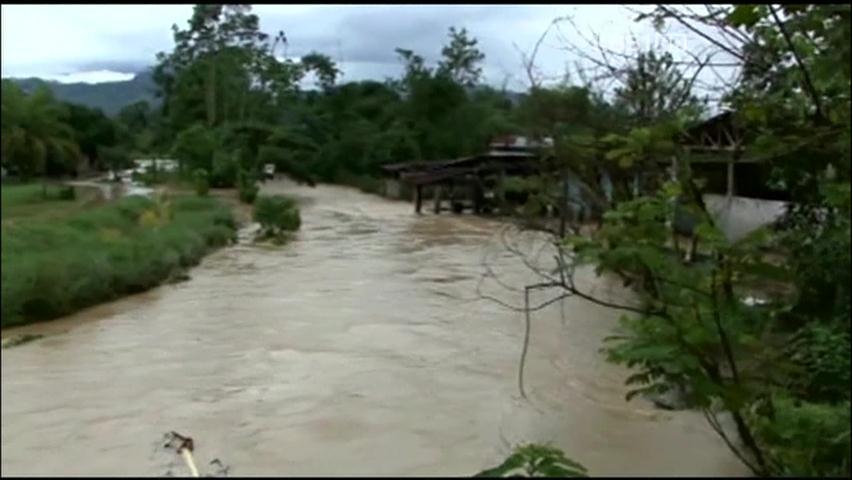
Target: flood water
pixel 361 348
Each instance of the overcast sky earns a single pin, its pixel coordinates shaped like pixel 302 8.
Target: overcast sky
pixel 99 42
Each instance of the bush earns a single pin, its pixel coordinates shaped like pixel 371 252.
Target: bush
pixel 116 158
pixel 67 193
pixel 225 170
pixel 536 460
pixel 194 148
pixel 248 189
pixel 202 186
pixel 276 215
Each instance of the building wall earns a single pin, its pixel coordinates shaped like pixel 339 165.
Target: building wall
pixel 392 188
pixel 739 216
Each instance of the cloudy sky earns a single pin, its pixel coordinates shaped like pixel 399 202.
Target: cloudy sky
pixel 108 42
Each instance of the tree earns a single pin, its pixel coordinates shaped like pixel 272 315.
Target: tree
pixel 194 148
pixel 461 59
pixel 35 131
pixel 326 71
pixel 778 368
pixel 92 129
pixel 655 89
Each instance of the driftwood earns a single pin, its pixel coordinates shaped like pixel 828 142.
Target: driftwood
pixel 184 447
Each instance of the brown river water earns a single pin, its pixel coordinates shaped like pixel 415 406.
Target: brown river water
pixel 360 348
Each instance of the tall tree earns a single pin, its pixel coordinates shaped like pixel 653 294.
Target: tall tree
pixel 34 130
pixel 655 88
pixel 462 59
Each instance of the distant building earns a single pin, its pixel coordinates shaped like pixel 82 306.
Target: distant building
pixel 518 143
pixel 162 164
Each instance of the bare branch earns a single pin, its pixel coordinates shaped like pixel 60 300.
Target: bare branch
pixel 672 14
pixel 808 84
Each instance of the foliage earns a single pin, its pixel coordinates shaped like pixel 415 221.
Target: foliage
pixel 225 169
pixel 52 267
pixel 92 131
pixel 780 369
pixel 225 75
pixel 202 184
pixel 536 461
pixel 461 58
pixel 655 89
pixel 276 215
pixel 67 193
pixel 194 148
pixel 247 186
pixel 805 439
pixel 35 132
pixel 114 158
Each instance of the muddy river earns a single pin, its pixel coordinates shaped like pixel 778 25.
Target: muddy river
pixel 360 348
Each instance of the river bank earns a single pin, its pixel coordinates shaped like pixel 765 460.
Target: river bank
pixel 361 347
pixel 61 256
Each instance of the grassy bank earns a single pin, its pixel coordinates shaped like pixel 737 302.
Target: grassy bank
pixel 54 266
pixel 28 200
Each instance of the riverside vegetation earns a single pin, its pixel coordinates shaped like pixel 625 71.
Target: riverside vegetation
pixel 53 266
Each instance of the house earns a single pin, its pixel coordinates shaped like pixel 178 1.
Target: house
pixel 736 190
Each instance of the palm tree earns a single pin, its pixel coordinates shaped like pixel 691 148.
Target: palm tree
pixel 33 129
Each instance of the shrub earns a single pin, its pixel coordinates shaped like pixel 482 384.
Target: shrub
pixel 225 170
pixel 276 215
pixel 116 158
pixel 535 460
pixel 194 147
pixel 67 193
pixel 202 186
pixel 248 189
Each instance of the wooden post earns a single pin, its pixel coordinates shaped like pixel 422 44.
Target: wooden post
pixel 477 198
pixel 730 178
pixel 563 210
pixel 438 190
pixel 418 198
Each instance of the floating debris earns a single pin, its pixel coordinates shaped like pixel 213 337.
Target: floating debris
pixel 184 446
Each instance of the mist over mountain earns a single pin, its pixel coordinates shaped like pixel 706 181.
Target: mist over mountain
pixel 110 97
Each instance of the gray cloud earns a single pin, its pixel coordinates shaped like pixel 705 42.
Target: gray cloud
pixel 72 38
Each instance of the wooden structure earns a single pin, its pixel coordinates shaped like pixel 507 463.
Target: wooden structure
pixel 716 152
pixel 736 193
pixel 465 183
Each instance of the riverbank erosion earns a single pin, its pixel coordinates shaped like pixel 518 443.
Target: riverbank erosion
pixel 361 347
pixel 55 264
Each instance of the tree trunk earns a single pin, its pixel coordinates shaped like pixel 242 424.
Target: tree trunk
pixel 211 94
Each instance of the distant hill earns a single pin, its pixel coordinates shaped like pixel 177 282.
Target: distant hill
pixel 108 96
pixel 113 96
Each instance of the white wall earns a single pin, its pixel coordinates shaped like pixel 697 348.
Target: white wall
pixel 739 216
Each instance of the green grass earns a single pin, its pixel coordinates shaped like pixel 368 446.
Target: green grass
pixel 55 266
pixel 26 201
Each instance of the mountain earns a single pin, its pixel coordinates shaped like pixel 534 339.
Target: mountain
pixel 113 96
pixel 108 96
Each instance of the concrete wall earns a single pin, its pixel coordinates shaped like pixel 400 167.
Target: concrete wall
pixel 392 188
pixel 739 216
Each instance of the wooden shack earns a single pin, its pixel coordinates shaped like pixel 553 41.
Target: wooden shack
pixel 463 183
pixel 736 190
